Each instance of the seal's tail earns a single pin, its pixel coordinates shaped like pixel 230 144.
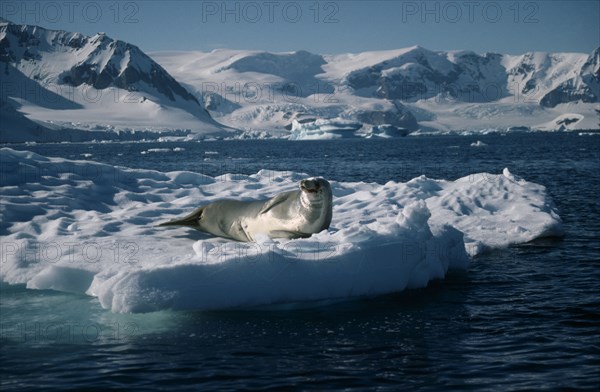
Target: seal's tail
pixel 191 220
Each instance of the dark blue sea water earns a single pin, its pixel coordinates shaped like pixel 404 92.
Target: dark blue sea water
pixel 523 318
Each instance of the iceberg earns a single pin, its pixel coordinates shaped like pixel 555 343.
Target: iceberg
pixel 321 129
pixel 89 228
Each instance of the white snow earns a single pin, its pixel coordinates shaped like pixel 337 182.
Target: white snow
pixel 477 118
pixel 87 227
pixel 49 95
pixel 259 94
pixel 35 88
pixel 547 70
pixel 513 104
pixel 566 121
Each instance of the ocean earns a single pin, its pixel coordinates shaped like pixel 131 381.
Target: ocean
pixel 522 318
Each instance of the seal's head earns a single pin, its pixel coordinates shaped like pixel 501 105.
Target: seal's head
pixel 314 185
pixel 317 203
pixel 316 189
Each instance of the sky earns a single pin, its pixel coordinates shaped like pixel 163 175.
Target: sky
pixel 328 27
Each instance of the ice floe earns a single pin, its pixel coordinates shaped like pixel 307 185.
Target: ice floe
pixel 87 227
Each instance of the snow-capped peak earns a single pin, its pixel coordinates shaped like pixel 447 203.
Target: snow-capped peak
pixel 112 78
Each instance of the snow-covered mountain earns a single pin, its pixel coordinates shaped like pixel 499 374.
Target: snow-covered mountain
pixel 582 85
pixel 417 73
pixel 59 85
pixel 405 90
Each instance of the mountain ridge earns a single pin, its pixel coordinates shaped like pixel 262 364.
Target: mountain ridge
pixel 411 88
pixel 57 82
pixel 108 78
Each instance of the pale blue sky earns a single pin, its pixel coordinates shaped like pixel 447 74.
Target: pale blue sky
pixel 326 26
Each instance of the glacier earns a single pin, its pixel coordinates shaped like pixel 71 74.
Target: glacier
pixel 412 89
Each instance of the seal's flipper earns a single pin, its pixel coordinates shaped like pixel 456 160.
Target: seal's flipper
pixel 274 201
pixel 191 220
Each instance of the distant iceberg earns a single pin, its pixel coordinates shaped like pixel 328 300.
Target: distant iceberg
pixel 387 131
pixel 478 143
pixel 323 129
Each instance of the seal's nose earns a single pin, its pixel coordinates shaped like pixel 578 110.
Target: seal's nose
pixel 310 186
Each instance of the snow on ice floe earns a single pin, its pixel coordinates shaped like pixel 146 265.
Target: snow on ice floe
pixel 87 227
